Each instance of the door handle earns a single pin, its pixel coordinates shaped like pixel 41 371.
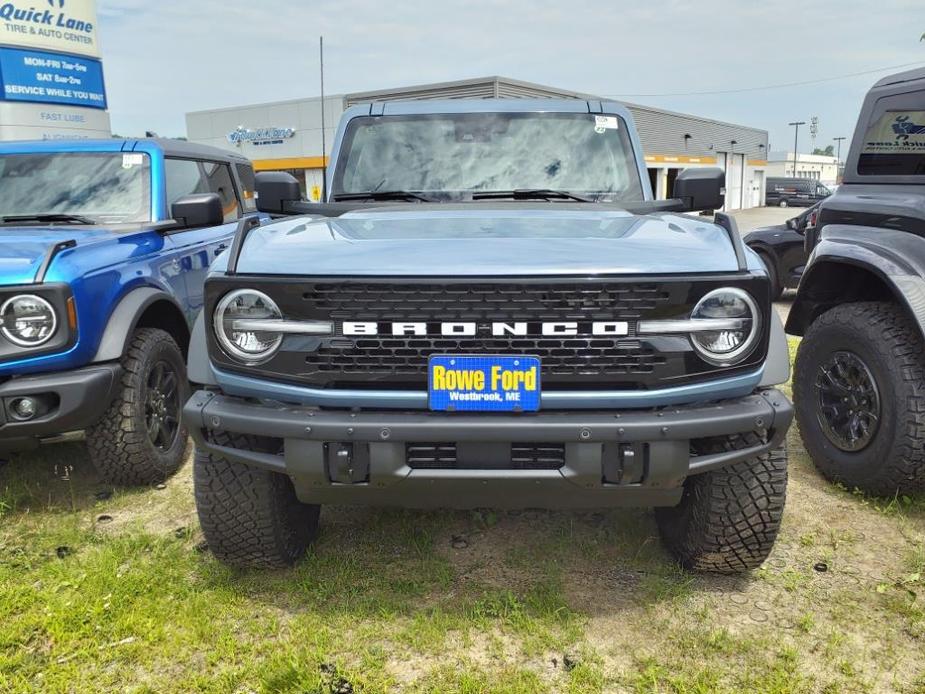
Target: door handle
pixel 221 247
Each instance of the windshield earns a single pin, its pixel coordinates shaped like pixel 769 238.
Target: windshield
pixel 104 188
pixel 452 156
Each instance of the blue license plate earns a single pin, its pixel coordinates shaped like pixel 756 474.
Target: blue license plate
pixel 484 383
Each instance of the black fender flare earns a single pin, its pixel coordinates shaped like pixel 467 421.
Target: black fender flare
pixel 124 319
pixel 895 258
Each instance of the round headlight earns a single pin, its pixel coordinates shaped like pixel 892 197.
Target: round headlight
pixel 237 325
pixel 28 320
pixel 726 346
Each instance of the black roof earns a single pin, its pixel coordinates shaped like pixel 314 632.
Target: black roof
pixel 907 76
pixel 182 148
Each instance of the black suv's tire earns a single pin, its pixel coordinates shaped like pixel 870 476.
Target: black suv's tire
pixel 251 518
pixel 876 342
pixel 776 287
pixel 140 439
pixel 728 519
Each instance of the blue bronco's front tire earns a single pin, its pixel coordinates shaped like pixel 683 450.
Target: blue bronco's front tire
pixel 140 439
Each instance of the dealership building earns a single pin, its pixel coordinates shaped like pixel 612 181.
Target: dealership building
pixel 287 135
pixel 51 75
pixel 815 166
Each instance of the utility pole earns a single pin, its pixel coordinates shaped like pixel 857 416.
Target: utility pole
pixel 796 139
pixel 838 156
pixel 324 144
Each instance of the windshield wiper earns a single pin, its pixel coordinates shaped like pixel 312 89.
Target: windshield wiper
pixel 47 219
pixel 530 194
pixel 381 195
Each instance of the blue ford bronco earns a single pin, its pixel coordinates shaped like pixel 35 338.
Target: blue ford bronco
pixel 490 309
pixel 859 375
pixel 104 247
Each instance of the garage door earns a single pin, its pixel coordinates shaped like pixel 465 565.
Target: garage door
pixel 735 178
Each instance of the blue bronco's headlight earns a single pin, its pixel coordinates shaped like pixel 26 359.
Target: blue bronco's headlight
pixel 244 321
pixel 28 320
pixel 735 314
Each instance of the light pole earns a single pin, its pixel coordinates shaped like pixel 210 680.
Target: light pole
pixel 838 156
pixel 796 139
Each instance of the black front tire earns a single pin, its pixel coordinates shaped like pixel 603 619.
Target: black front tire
pixel 122 446
pixel 728 519
pixel 251 518
pixel 888 343
pixel 783 203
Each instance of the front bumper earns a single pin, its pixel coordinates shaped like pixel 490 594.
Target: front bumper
pixel 599 450
pixel 77 399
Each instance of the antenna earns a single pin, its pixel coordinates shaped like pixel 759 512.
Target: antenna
pixel 324 144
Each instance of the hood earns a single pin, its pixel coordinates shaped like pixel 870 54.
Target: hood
pixel 22 249
pixel 489 241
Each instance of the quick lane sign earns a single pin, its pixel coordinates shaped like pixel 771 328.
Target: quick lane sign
pixel 51 78
pixel 58 25
pixel 896 132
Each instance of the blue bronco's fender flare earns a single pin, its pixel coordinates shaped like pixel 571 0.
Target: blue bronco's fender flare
pixel 124 320
pixel 845 256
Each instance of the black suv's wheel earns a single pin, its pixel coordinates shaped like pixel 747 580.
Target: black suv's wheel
pixel 859 392
pixel 783 203
pixel 728 519
pixel 140 439
pixel 250 517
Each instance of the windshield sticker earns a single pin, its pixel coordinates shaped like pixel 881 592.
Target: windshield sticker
pixel 130 160
pixel 604 123
pixel 896 132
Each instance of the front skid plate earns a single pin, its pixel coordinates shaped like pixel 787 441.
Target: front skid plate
pixel 665 433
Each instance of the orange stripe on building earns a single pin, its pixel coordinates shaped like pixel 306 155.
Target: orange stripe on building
pixel 290 163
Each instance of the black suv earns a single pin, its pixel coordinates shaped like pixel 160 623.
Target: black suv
pixel 782 249
pixel 859 380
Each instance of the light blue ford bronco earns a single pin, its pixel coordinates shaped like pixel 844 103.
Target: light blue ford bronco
pixel 490 309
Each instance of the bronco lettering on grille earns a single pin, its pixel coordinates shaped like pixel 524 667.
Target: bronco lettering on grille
pixel 471 329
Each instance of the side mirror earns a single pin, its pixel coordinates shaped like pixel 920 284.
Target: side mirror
pixel 200 210
pixel 701 189
pixel 793 224
pixel 274 190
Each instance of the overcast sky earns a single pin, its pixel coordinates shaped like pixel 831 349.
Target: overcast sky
pixel 165 58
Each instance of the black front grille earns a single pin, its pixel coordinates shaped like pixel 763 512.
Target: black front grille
pixel 523 456
pixel 583 358
pixel 580 362
pixel 404 356
pixel 486 302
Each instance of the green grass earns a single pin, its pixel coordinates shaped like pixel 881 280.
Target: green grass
pixel 536 601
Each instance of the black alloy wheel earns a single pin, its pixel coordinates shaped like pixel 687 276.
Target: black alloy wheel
pixel 162 406
pixel 849 401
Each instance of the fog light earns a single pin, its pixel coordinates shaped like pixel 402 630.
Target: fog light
pixel 24 409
